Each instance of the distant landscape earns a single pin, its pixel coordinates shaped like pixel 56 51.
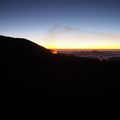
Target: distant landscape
pixel 58 49
pixel 59 74
pixel 108 55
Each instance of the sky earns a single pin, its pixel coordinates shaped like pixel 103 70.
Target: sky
pixel 66 24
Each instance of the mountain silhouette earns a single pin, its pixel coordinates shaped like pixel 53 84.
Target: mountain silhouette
pixel 23 61
pixel 22 48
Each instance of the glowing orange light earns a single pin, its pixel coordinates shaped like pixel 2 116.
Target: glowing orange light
pixel 54 51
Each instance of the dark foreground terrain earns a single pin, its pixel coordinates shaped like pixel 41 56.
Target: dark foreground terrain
pixel 29 65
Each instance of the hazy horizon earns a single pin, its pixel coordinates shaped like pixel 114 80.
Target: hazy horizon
pixel 63 24
pixel 75 49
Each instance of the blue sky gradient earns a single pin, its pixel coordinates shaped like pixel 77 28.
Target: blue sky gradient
pixel 98 20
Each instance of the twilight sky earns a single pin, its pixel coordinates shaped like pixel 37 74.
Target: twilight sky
pixel 85 24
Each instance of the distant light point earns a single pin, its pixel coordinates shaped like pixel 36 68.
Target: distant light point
pixel 54 51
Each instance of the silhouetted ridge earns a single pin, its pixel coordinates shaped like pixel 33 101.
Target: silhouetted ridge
pixel 23 60
pixel 14 48
pixel 56 75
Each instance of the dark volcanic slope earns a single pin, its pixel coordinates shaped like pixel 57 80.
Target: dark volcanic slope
pixel 58 75
pixel 16 47
pixel 22 59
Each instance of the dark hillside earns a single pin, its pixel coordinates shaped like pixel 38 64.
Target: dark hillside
pixel 57 75
pixel 22 48
pixel 24 60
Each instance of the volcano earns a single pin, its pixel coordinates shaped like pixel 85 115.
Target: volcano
pixel 23 60
pixel 26 64
pixel 22 49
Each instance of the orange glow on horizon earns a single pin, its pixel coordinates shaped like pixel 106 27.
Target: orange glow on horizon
pixel 116 47
pixel 84 41
pixel 84 45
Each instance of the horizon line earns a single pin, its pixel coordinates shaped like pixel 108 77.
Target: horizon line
pixel 80 49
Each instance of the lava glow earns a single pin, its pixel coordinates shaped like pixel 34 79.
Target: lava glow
pixel 54 51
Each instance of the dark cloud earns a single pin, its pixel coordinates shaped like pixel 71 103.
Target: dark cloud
pixel 56 29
